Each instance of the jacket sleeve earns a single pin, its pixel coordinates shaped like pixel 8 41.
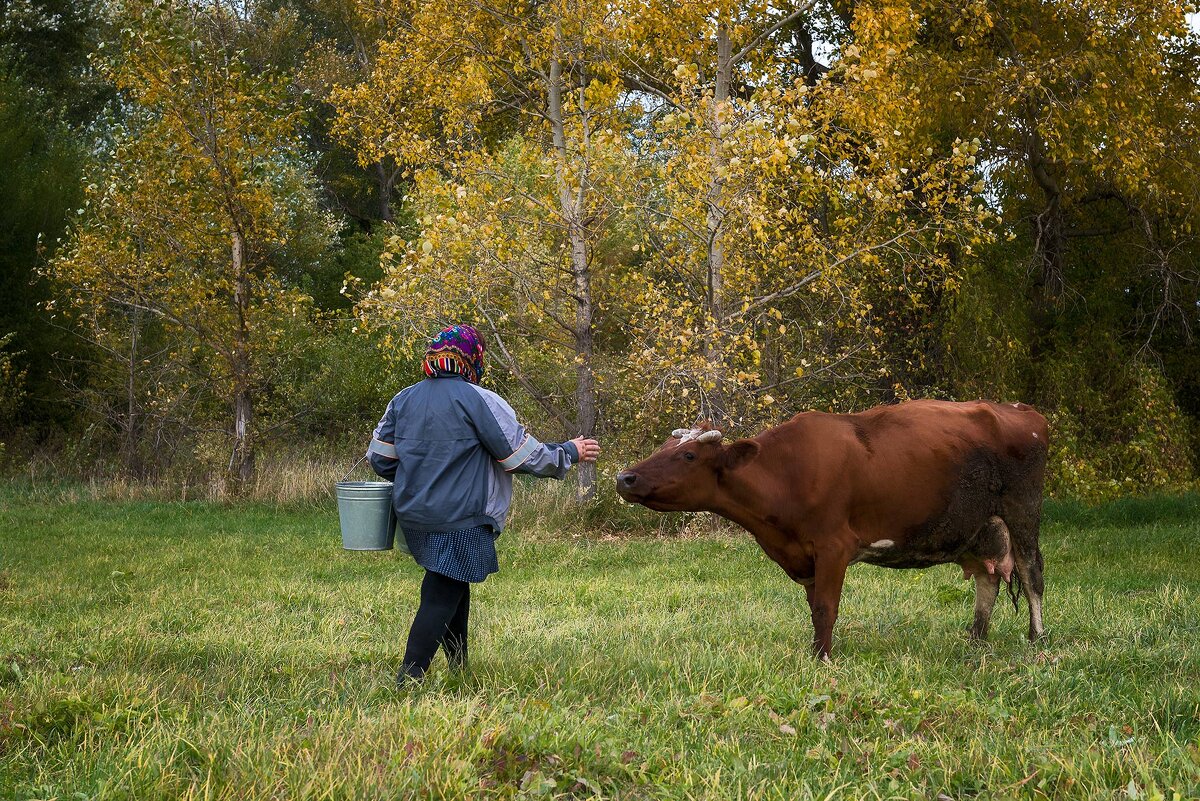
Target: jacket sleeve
pixel 514 448
pixel 382 451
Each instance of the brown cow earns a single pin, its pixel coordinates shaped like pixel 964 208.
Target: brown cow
pixel 913 485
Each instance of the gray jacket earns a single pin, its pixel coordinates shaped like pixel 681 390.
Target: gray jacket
pixel 450 448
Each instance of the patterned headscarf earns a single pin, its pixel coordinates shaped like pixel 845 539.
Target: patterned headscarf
pixel 456 349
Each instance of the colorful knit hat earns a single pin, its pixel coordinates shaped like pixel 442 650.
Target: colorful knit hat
pixel 456 349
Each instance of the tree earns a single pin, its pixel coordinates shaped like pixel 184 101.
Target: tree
pixel 48 95
pixel 712 67
pixel 12 387
pixel 791 222
pixel 324 44
pixel 682 199
pixel 1081 108
pixel 203 195
pixel 1086 112
pixel 511 118
pixel 546 139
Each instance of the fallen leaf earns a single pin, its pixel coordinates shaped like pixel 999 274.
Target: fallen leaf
pixel 581 782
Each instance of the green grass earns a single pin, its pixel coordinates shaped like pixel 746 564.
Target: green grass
pixel 160 650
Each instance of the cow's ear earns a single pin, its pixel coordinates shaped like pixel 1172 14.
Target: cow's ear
pixel 738 453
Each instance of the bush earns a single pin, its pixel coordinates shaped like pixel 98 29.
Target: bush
pixel 12 388
pixel 1115 429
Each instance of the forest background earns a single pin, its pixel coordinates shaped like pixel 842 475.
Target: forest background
pixel 227 227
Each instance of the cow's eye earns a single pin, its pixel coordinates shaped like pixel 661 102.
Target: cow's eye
pixel 689 456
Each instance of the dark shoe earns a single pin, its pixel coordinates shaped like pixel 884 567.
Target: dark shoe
pixel 409 677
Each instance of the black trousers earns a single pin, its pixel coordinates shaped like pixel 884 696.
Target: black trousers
pixel 441 620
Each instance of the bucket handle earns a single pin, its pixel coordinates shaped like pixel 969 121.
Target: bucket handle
pixel 355 466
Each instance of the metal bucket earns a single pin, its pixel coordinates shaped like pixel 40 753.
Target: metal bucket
pixel 367 518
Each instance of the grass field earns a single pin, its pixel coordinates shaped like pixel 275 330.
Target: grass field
pixel 164 651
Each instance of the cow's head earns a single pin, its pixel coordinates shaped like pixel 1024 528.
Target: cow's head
pixel 685 473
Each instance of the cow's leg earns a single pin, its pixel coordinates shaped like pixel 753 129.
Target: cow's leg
pixel 1029 566
pixel 987 587
pixel 824 595
pixel 1027 554
pixel 992 564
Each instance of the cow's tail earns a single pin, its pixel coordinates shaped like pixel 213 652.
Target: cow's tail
pixel 1014 589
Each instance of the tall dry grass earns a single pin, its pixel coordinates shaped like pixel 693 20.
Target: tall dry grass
pixel 280 478
pixel 545 507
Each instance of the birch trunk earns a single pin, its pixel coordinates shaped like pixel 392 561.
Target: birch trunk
pixel 241 463
pixel 571 206
pixel 129 456
pixel 714 224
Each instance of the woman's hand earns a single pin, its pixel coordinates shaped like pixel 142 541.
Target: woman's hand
pixel 588 449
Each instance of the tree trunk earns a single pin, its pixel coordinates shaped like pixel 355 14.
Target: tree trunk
pixel 1049 233
pixel 129 435
pixel 385 180
pixel 585 391
pixel 571 206
pixel 241 463
pixel 1049 244
pixel 716 405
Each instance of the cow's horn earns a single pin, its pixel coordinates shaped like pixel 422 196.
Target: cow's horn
pixel 679 432
pixel 710 436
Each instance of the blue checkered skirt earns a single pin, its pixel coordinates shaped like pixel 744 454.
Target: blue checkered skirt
pixel 466 555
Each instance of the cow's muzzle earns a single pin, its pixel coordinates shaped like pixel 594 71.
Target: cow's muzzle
pixel 627 485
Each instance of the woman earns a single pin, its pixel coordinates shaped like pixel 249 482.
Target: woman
pixel 450 447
